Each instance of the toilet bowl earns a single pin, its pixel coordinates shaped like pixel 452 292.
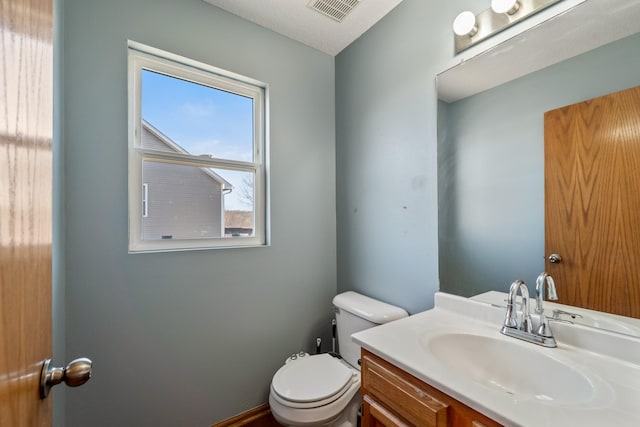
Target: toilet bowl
pixel 324 389
pixel 315 390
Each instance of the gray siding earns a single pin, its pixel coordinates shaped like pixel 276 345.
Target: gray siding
pixel 184 201
pixel 152 142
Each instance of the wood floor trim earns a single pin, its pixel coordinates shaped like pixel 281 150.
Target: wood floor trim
pixel 256 417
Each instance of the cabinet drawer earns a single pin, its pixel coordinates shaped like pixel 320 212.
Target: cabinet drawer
pixel 377 415
pixel 400 394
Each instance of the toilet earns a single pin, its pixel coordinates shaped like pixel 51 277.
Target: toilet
pixel 324 389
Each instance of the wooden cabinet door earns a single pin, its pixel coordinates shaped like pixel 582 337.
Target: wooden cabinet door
pixel 592 202
pixel 374 414
pixel 394 398
pixel 26 82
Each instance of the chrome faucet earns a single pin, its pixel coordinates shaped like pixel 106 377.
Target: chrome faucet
pixel 523 329
pixel 543 281
pixel 511 319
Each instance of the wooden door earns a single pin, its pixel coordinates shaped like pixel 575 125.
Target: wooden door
pixel 592 202
pixel 25 208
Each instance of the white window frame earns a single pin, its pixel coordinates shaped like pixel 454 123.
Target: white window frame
pixel 145 200
pixel 142 57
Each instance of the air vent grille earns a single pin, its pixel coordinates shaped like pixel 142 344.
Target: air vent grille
pixel 334 9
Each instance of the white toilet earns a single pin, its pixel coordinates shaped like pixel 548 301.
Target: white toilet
pixel 324 390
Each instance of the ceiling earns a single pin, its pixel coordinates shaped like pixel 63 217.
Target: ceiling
pixel 294 19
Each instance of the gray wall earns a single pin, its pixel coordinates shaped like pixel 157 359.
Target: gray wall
pixel 386 160
pixel 190 338
pixel 491 167
pixel 395 181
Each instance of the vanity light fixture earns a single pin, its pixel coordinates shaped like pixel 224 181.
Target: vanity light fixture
pixel 465 24
pixel 470 29
pixel 505 6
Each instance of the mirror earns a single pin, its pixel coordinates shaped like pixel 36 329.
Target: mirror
pixel 490 139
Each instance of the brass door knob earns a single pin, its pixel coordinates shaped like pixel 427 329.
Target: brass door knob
pixel 555 259
pixel 76 373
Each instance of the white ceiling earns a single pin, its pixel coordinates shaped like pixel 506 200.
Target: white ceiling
pixel 294 19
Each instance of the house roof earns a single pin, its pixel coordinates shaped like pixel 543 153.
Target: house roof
pixel 174 146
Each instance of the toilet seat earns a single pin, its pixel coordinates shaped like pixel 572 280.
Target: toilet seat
pixel 313 381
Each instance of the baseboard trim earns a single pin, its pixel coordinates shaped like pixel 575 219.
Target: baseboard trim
pixel 256 417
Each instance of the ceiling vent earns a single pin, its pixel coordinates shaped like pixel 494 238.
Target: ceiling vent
pixel 334 9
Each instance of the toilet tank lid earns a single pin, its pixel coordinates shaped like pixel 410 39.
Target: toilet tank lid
pixel 368 308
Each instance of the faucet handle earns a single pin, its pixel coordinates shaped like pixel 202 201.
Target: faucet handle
pixel 557 312
pixel 527 323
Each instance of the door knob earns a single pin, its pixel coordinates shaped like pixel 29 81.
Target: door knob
pixel 76 373
pixel 555 259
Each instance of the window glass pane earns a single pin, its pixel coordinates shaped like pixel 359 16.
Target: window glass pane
pixel 186 117
pixel 184 202
pixel 188 202
pixel 239 203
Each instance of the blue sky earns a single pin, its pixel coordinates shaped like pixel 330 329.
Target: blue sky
pixel 202 120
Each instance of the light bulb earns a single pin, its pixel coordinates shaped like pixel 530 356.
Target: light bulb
pixel 505 6
pixel 465 24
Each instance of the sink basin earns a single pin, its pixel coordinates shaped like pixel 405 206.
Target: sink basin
pixel 509 367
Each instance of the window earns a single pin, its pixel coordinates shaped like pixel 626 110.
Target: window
pixel 197 140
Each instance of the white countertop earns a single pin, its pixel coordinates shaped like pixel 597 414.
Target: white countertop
pixel 609 361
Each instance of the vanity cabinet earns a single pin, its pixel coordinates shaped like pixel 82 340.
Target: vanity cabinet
pixel 392 397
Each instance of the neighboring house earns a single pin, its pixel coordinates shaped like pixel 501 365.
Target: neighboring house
pixel 238 223
pixel 179 202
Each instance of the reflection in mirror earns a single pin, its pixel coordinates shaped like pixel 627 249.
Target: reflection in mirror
pixel 575 29
pixel 572 315
pixel 490 160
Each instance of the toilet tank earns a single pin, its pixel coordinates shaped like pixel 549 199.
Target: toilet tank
pixel 356 312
